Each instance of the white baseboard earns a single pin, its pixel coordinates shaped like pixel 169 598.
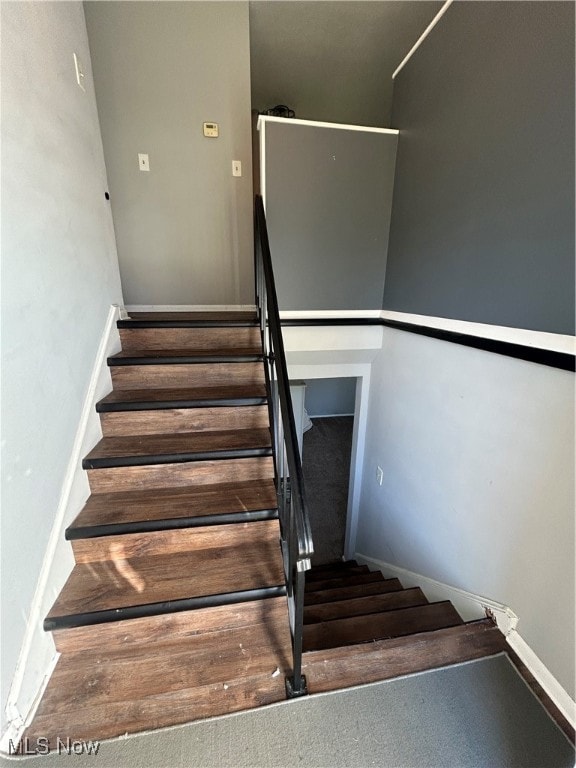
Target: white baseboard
pixel 38 655
pixel 471 606
pixel 190 307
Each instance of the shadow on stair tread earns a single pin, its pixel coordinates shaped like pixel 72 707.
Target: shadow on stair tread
pixel 365 577
pixel 149 585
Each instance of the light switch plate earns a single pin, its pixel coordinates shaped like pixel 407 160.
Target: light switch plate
pixel 143 162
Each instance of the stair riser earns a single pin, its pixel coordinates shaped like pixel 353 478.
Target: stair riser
pixel 169 629
pixel 378 626
pixel 185 375
pixel 173 420
pixel 363 606
pixel 120 479
pixel 118 549
pixel 188 338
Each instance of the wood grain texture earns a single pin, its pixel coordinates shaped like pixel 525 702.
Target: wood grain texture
pixel 328 670
pixel 223 392
pixel 211 316
pixel 344 581
pixel 163 710
pixel 362 606
pixel 119 479
pixel 135 545
pixel 377 626
pixel 171 628
pixel 172 503
pixel 97 695
pixel 225 352
pixel 189 338
pixel 144 580
pixel 174 420
pixel 186 375
pixel 358 590
pixel 174 444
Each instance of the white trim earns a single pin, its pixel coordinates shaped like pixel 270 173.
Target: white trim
pixel 262 149
pixel 190 308
pixel 471 606
pixel 552 687
pixel 37 655
pixel 556 342
pixel 422 37
pixel 329 415
pixel 329 314
pixel 263 119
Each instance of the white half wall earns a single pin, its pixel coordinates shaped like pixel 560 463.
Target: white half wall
pixel 477 451
pixel 59 278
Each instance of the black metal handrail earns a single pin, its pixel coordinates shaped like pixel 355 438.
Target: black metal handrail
pixel 295 531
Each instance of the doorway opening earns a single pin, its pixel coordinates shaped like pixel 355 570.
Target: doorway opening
pixel 326 461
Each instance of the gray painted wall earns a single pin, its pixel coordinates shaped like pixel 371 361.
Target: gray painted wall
pixel 478 493
pixel 330 397
pixel 184 230
pixel 59 277
pixel 483 217
pixel 328 199
pixel 332 60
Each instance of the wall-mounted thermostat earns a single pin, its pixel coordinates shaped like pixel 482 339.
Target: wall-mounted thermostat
pixel 211 130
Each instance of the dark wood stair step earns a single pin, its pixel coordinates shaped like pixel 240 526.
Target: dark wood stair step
pixel 338 572
pixel 188 319
pixel 142 450
pixel 336 668
pixel 362 606
pixel 166 508
pixel 344 581
pixel 357 590
pixel 378 626
pixel 252 354
pixel 193 397
pixel 339 565
pixel 145 586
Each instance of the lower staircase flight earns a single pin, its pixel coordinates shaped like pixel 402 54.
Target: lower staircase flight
pixel 176 609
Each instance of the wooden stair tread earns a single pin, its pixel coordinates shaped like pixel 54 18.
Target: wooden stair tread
pixel 179 443
pixel 362 606
pixel 232 316
pixel 356 590
pixel 112 585
pixel 97 694
pixel 191 395
pixel 378 626
pixel 334 668
pixel 170 503
pixel 254 350
pixel 344 581
pixel 315 575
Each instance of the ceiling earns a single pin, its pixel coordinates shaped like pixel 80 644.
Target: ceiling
pixel 332 60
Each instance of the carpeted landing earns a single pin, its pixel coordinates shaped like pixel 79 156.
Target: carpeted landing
pixel 479 714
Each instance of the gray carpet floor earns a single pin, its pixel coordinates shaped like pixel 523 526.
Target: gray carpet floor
pixel 326 465
pixel 475 715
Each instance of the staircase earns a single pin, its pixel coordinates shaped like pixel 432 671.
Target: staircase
pixel 176 608
pixel 192 594
pixel 360 627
